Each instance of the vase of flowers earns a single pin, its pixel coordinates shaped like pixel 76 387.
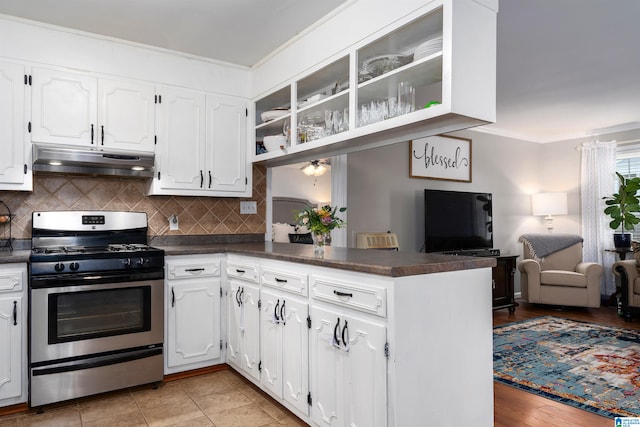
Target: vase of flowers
pixel 320 221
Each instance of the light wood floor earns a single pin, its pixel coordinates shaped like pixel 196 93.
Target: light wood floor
pixel 226 399
pixel 514 407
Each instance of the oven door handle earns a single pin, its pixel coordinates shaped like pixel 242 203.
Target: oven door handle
pixel 97 362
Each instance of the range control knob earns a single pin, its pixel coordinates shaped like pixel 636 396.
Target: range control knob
pixel 74 266
pixel 141 262
pixel 59 267
pixel 127 262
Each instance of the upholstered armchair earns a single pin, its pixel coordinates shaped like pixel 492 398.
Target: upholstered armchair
pixel 555 276
pixel 627 272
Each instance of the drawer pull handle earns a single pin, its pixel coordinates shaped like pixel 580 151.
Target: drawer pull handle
pixel 239 271
pixel 281 280
pixel 194 270
pixel 335 333
pixel 343 294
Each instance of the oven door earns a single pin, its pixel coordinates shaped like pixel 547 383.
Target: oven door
pixel 80 320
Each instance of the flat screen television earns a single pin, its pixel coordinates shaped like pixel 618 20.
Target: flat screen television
pixel 457 221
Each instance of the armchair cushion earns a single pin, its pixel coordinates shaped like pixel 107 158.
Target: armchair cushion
pixel 563 278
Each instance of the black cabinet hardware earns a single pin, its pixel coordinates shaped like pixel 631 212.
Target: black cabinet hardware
pixel 173 298
pixel 92 133
pixel 343 294
pixel 194 270
pixel 345 331
pixel 15 312
pixel 335 332
pixel 283 313
pixel 102 135
pixel 29 127
pixel 239 271
pixel 281 280
pixel 25 169
pixel 238 297
pixel 201 179
pixel 210 179
pixel 275 311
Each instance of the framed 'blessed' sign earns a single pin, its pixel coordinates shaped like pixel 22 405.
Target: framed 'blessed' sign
pixel 440 157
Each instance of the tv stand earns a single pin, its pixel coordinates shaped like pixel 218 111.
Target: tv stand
pixel 503 275
pixel 475 252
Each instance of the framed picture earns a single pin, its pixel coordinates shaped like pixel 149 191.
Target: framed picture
pixel 440 157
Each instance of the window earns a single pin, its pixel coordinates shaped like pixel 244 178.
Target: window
pixel 628 165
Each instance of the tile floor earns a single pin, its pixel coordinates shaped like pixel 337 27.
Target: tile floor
pixel 220 399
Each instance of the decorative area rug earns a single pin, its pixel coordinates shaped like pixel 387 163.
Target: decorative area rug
pixel 589 366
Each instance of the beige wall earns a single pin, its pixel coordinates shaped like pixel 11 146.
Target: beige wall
pixel 196 215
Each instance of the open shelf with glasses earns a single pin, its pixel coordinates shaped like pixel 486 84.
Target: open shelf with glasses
pixel 397 84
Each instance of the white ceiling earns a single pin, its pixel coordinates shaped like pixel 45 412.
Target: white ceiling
pixel 566 68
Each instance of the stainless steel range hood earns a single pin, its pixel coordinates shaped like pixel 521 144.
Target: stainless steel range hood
pixel 69 159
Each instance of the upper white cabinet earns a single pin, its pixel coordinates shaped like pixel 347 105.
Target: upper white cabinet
pixel 202 142
pixel 430 72
pixel 14 171
pixel 79 109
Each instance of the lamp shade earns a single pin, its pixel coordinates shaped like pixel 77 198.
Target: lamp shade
pixel 549 204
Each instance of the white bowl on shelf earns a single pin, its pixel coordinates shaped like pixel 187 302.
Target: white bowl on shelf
pixel 274 142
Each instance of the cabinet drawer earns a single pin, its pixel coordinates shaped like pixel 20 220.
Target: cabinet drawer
pixel 185 270
pixel 242 271
pixel 369 299
pixel 285 280
pixel 11 280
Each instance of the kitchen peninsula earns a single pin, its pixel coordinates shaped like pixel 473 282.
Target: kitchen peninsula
pixel 357 337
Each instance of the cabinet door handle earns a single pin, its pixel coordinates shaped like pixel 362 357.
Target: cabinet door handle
pixel 102 134
pixel 201 179
pixel 92 133
pixel 238 297
pixel 282 313
pixel 343 294
pixel 345 331
pixel 173 298
pixel 335 332
pixel 210 179
pixel 281 280
pixel 193 270
pixel 15 312
pixel 275 311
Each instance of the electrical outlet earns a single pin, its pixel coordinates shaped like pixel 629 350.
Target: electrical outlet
pixel 248 208
pixel 173 223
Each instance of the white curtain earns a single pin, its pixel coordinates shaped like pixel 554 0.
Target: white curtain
pixel 598 180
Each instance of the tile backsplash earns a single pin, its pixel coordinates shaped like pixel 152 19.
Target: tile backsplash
pixel 196 215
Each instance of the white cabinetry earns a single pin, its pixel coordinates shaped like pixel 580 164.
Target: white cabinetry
pixel 14 170
pixel 13 334
pixel 284 335
pixel 243 323
pixel 348 362
pixel 79 109
pixel 193 320
pixel 430 72
pixel 201 145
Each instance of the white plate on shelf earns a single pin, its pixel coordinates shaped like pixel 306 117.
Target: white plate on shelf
pixel 270 115
pixel 428 48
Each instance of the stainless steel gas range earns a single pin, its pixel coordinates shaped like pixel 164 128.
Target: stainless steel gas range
pixel 96 304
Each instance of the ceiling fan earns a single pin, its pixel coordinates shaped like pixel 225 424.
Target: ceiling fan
pixel 316 167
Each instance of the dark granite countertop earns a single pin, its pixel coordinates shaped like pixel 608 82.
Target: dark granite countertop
pixel 385 263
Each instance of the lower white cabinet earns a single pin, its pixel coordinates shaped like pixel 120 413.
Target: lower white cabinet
pixel 193 320
pixel 284 347
pixel 243 328
pixel 348 369
pixel 13 334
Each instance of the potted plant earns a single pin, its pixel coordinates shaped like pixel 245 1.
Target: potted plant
pixel 622 208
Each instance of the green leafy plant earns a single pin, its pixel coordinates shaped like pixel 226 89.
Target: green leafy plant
pixel 320 220
pixel 623 205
